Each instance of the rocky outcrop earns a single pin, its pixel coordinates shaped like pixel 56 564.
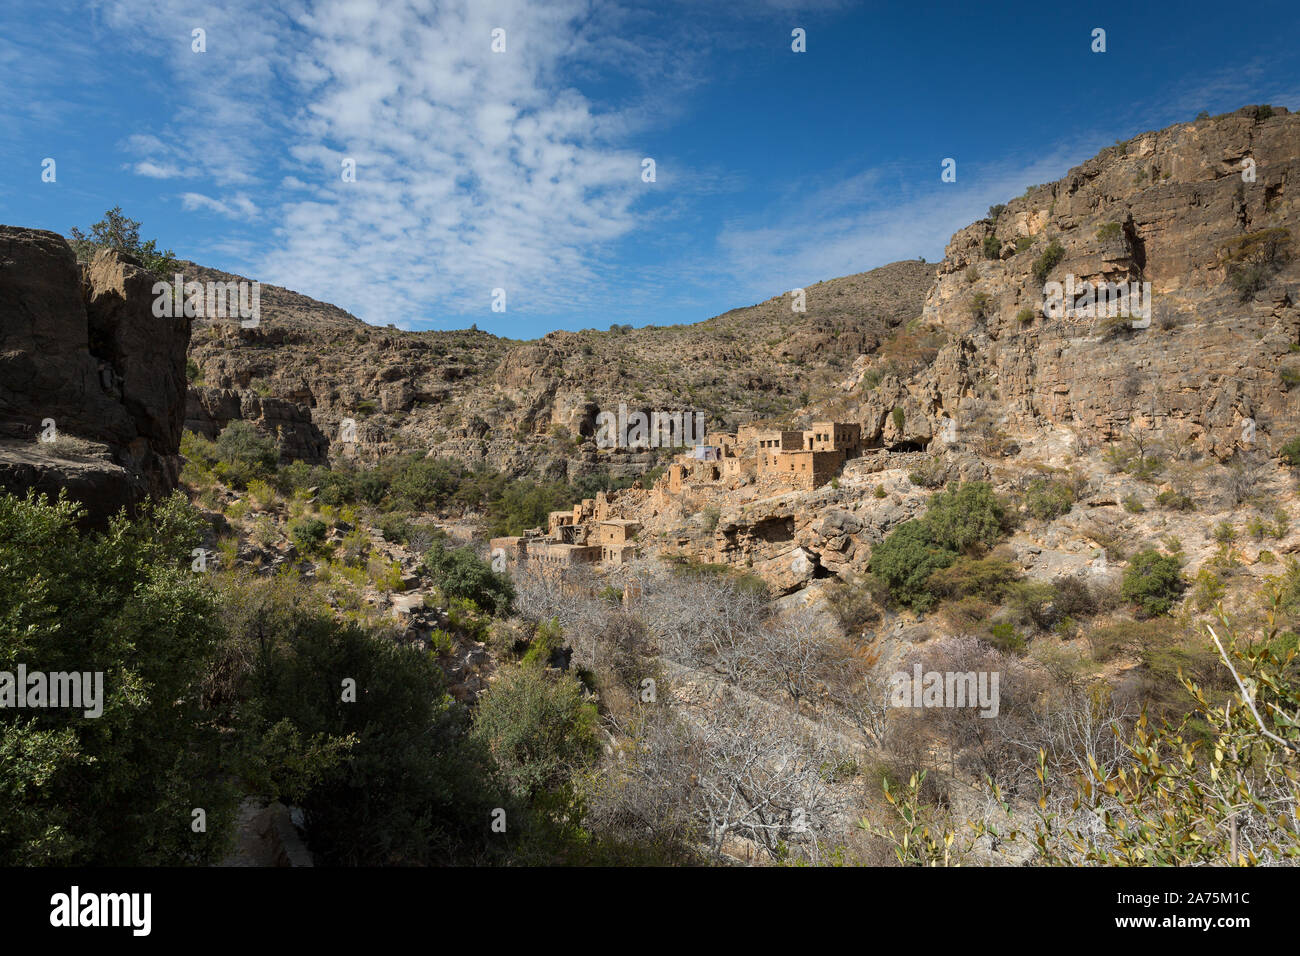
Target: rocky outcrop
pixel 92 383
pixel 209 410
pixel 1178 208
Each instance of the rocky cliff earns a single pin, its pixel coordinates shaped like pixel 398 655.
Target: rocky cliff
pixel 1205 212
pixel 92 383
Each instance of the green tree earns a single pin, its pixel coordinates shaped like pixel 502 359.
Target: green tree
pixel 362 733
pixel 116 231
pixel 244 453
pixel 967 517
pixel 119 788
pixel 906 559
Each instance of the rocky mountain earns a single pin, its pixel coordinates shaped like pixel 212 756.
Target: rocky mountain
pixel 529 407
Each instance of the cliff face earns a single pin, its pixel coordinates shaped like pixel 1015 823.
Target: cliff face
pixel 1170 208
pixel 92 384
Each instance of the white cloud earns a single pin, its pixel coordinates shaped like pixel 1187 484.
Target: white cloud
pixel 474 170
pixel 478 170
pixel 156 170
pixel 234 207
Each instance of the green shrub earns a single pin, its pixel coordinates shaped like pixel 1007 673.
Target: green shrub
pixel 987 578
pixel 1049 260
pixel 1025 315
pixel 906 559
pixel 712 515
pixel 1251 259
pixel 931 473
pixel 389 775
pixel 395 527
pixel 539 729
pixel 1109 231
pixel 1004 636
pixel 1048 498
pixel 1209 589
pixel 1291 452
pixel 965 519
pixel 1133 505
pixel 244 453
pixel 1153 582
pixel 308 534
pixel 1032 603
pixel 968 516
pixel 1175 500
pixel 992 247
pixel 441 643
pixel 117 789
pixel 459 572
pixel 546 642
pixel 467 618
pixel 1073 598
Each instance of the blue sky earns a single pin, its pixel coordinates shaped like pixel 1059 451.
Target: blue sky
pixel 522 170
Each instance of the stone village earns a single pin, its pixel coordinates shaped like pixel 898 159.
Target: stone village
pixel 780 458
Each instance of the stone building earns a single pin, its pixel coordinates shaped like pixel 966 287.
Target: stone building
pixel 796 459
pixel 616 537
pixel 582 535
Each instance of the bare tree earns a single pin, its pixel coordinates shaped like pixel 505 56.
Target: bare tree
pixel 795 653
pixel 546 592
pixel 1245 476
pixel 703 621
pixel 760 777
pixel 646 790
